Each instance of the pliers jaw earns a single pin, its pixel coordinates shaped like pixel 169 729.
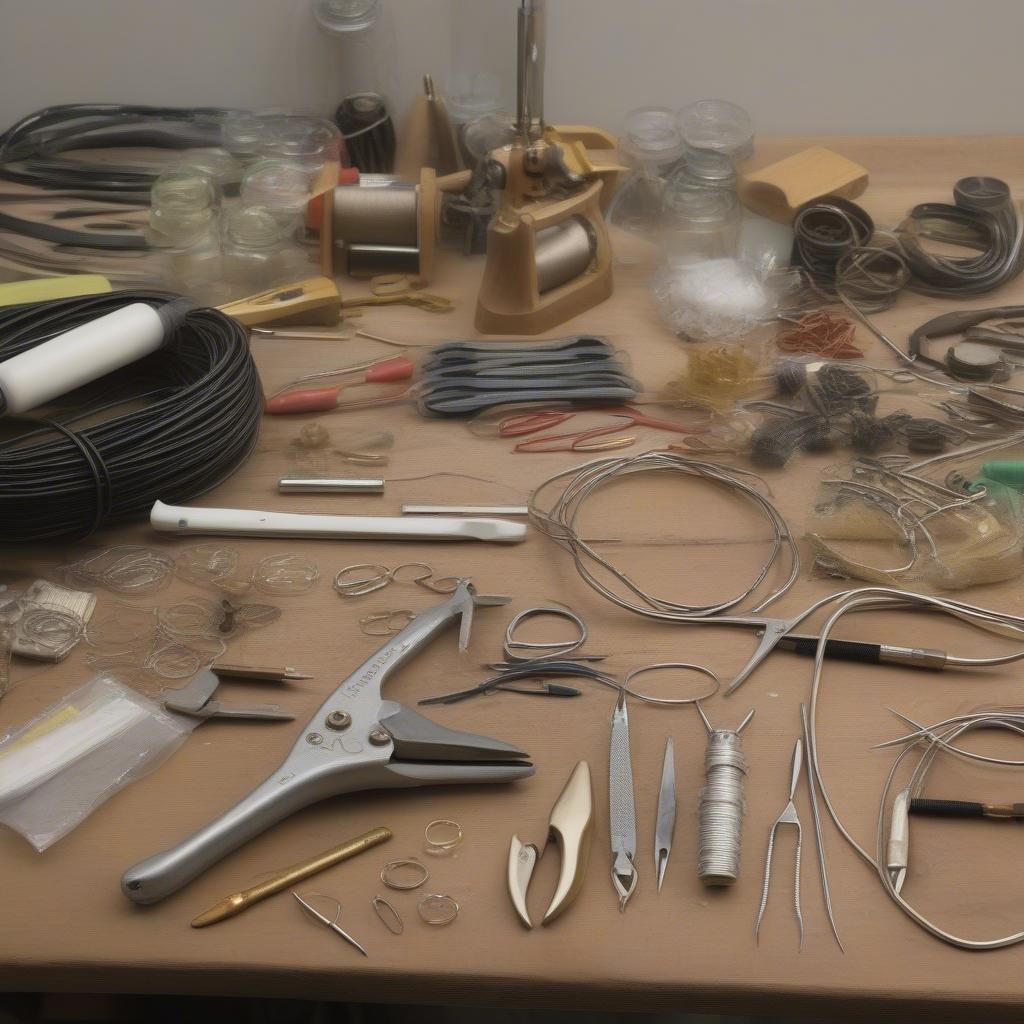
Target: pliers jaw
pixel 571 827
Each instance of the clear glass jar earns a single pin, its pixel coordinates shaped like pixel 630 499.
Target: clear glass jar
pixel 367 39
pixel 183 207
pixel 705 167
pixel 699 223
pixel 651 141
pixel 253 246
pixel 718 125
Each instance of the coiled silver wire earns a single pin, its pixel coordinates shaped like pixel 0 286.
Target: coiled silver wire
pixel 722 807
pixel 560 521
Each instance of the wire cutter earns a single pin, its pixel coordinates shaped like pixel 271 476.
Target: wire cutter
pixel 356 740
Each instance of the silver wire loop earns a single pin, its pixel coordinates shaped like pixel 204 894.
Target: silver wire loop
pixel 438 909
pixel 389 917
pixel 452 835
pixel 387 873
pixel 685 666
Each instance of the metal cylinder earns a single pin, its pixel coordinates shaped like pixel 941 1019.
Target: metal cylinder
pixel 371 260
pixel 563 252
pixel 530 70
pixel 302 485
pixel 721 809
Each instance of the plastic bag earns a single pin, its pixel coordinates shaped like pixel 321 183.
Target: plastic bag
pixel 78 753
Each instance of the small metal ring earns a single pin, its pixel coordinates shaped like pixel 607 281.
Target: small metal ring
pixel 410 565
pixel 362 585
pixel 386 623
pixel 441 584
pixel 396 865
pixel 688 666
pixel 389 917
pixel 442 847
pixel 556 647
pixel 438 900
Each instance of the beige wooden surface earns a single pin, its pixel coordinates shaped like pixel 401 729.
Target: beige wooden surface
pixel 66 925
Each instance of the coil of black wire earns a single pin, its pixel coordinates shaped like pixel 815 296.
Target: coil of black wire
pixel 171 426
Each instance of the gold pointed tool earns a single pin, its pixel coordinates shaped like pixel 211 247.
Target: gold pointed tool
pixel 570 826
pixel 235 904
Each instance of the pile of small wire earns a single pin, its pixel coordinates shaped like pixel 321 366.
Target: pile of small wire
pixel 823 334
pixel 169 427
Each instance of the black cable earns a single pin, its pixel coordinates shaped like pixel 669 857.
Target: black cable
pixel 193 418
pixel 824 231
pixel 984 218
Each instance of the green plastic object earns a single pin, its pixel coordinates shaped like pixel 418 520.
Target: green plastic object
pixel 1009 472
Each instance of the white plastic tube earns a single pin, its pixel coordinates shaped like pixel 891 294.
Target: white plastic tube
pixel 80 355
pixel 240 522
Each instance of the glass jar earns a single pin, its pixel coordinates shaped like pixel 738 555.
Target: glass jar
pixel 183 204
pixel 253 247
pixel 718 125
pixel 650 140
pixel 699 223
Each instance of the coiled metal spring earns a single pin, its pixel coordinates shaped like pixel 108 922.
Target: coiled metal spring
pixel 721 805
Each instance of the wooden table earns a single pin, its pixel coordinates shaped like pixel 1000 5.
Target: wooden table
pixel 66 926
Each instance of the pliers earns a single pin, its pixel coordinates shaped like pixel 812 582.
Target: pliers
pixel 355 741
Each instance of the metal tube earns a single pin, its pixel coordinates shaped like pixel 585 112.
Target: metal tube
pixel 530 71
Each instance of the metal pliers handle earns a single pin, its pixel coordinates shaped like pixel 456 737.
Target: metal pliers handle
pixel 355 741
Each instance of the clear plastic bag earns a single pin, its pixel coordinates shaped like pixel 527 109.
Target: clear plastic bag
pixel 78 753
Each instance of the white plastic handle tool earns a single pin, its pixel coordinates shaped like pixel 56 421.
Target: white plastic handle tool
pixel 240 522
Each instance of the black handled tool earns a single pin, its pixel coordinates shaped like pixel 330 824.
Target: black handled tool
pixel 873 654
pixel 965 809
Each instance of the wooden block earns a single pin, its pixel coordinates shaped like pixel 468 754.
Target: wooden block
pixel 779 190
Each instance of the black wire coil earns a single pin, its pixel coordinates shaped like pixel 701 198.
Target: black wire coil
pixel 193 419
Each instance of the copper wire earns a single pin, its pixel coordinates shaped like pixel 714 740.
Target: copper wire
pixel 823 334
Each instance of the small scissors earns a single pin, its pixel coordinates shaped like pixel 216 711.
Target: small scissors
pixel 593 439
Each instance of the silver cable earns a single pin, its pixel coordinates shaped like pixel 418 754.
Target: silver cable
pixel 559 522
pixel 980 618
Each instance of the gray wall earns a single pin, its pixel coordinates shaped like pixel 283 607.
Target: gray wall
pixel 799 66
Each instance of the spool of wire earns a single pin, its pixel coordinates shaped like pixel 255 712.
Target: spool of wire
pixel 982 218
pixel 825 230
pixel 722 805
pixel 368 131
pixel 170 427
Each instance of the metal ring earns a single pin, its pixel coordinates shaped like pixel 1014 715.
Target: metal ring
pixel 555 647
pixel 440 847
pixel 385 622
pixel 363 585
pixel 390 917
pixel 440 902
pixel 396 865
pixel 416 579
pixel 688 666
pixel 442 584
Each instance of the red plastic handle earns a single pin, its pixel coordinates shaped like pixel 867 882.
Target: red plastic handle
pixel 310 400
pixel 389 370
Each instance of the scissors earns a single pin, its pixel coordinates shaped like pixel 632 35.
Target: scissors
pixel 592 439
pixel 356 741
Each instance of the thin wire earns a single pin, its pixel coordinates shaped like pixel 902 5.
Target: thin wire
pixel 873 597
pixel 559 522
